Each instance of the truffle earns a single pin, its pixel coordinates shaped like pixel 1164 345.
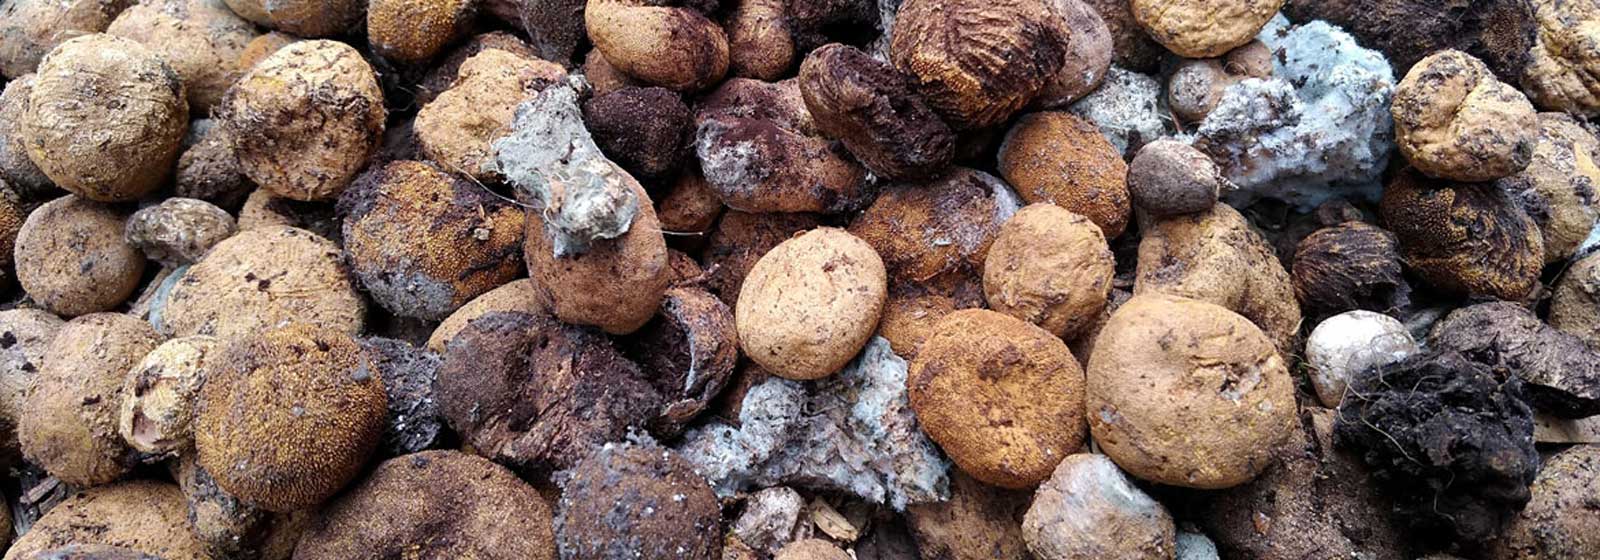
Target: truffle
pixel 647 131
pixel 810 304
pixel 1454 120
pixel 178 231
pixel 1560 188
pixel 978 62
pixel 157 406
pixel 1168 177
pixel 1203 28
pixel 926 231
pixel 637 500
pixel 1560 71
pixel 261 278
pixel 1344 345
pixel 1049 267
pixel 1560 374
pixel 1575 307
pixel 458 128
pixel 634 34
pixel 142 515
pixel 1059 158
pixel 1353 265
pixel 688 352
pixel 1464 238
pixel 72 259
pixel 415 30
pixel 518 295
pixel 871 107
pixel 201 40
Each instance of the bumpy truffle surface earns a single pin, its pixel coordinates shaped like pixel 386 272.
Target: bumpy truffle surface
pixel 870 106
pixel 979 62
pixel 1500 32
pixel 31 28
pixel 1203 28
pixel 179 230
pixel 1560 74
pixel 457 128
pixel 415 30
pixel 1560 189
pixel 261 278
pixel 637 500
pixel 142 515
pixel 1557 524
pixel 288 416
pixel 811 303
pixel 1353 265
pixel 647 131
pixel 72 259
pixel 1560 374
pixel 1089 509
pixel 1454 120
pixel 1464 238
pixel 1049 267
pixel 1061 159
pixel 201 41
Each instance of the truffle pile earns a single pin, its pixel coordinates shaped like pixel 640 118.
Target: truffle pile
pixel 799 280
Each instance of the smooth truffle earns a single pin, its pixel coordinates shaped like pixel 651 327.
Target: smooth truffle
pixel 142 515
pixel 1168 177
pixel 72 259
pixel 137 132
pixel 810 304
pixel 636 500
pixel 978 62
pixel 1344 345
pixel 434 504
pixel 1089 509
pixel 1059 158
pixel 1454 120
pixel 30 332
pixel 871 107
pixel 1353 265
pixel 1203 28
pixel 1464 238
pixel 616 285
pixel 633 35
pixel 157 408
pixel 1187 393
pixel 261 278
pixel 289 415
pixel 302 18
pixel 1049 267
pixel 305 119
pixel 178 231
pixel 1002 397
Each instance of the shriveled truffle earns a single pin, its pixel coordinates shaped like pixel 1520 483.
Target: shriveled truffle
pixel 760 45
pixel 457 129
pixel 1059 158
pixel 1089 509
pixel 1169 177
pixel 1464 238
pixel 289 415
pixel 1560 75
pixel 302 130
pixel 978 62
pixel 1560 374
pixel 179 230
pixel 137 132
pixel 1203 28
pixel 70 428
pixel 1575 307
pixel 633 35
pixel 924 231
pixel 1454 120
pixel 303 18
pixel 415 30
pixel 637 500
pixel 810 304
pixel 1353 265
pixel 72 259
pixel 1187 393
pixel 1560 188
pixel 647 131
pixel 423 242
pixel 1025 383
pixel 1049 267
pixel 201 41
pixel 871 107
pixel 261 278
pixel 688 352
pixel 1557 523
pixel 436 504
pixel 142 515
pixel 1344 345
pixel 157 407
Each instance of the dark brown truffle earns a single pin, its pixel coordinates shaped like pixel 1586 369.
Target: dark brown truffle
pixel 645 130
pixel 687 352
pixel 979 61
pixel 868 105
pixel 1350 266
pixel 1500 32
pixel 1464 238
pixel 637 501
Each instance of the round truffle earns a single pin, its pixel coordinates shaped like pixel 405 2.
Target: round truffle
pixel 690 206
pixel 179 230
pixel 1345 345
pixel 415 30
pixel 305 119
pixel 1061 159
pixel 810 304
pixel 1560 189
pixel 142 515
pixel 444 73
pixel 289 415
pixel 518 295
pixel 261 47
pixel 434 504
pixel 1087 56
pixel 1186 393
pixel 634 34
pixel 1575 308
pixel 104 147
pixel 31 28
pixel 759 43
pixel 637 501
pixel 645 130
pixel 1204 28
pixel 1353 265
pixel 1454 120
pixel 16 170
pixel 1049 267
pixel 72 258
pixel 1002 397
pixel 1089 509
pixel 913 308
pixel 201 41
pixel 261 278
pixel 616 285
pixel 159 394
pixel 423 243
pixel 1168 177
pixel 25 335
pixel 302 18
pixel 70 428
pixel 1464 238
pixel 457 129
pixel 870 106
pixel 927 230
pixel 975 61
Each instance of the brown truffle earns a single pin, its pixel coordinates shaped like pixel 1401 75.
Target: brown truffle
pixel 759 43
pixel 1132 48
pixel 1560 189
pixel 1002 397
pixel 810 304
pixel 1454 120
pixel 811 549
pixel 637 501
pixel 261 278
pixel 1187 393
pixel 415 30
pixel 142 515
pixel 304 18
pixel 423 243
pixel 209 170
pixel 616 285
pixel 1049 267
pixel 1350 266
pixel 634 34
pixel 434 504
pixel 201 40
pixel 457 128
pixel 72 258
pixel 1087 56
pixel 179 230
pixel 645 130
pixel 739 240
pixel 156 408
pixel 518 295
pixel 1558 522
pixel 1575 307
pixel 71 425
pixel 289 415
pixel 690 206
pixel 978 62
pixel 1464 238
pixel 30 332
pixel 31 28
pixel 923 231
pixel 554 28
pixel 1062 159
pixel 1198 85
pixel 1169 177
pixel 688 353
pixel 1204 28
pixel 978 521
pixel 870 106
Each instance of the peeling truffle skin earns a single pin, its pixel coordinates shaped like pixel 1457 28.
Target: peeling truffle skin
pixel 1059 158
pixel 1560 189
pixel 72 259
pixel 633 35
pixel 810 304
pixel 1454 120
pixel 1203 28
pixel 631 500
pixel 1557 524
pixel 305 120
pixel 761 150
pixel 423 242
pixel 1561 71
pixel 142 515
pixel 688 353
pixel 1464 238
pixel 648 131
pixel 1049 267
pixel 1089 509
pixel 1560 374
pixel 538 395
pixel 1350 266
pixel 70 424
pixel 458 128
pixel 924 231
pixel 415 30
pixel 1187 393
pixel 31 28
pixel 157 407
pixel 978 62
pixel 302 18
pixel 201 40
pixel 288 416
pixel 263 277
pixel 1396 417
pixel 137 131
pixel 434 504
pixel 870 106
pixel 1002 397
pixel 1500 32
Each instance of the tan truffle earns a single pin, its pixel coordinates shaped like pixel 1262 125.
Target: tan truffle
pixel 200 39
pixel 1049 267
pixel 159 393
pixel 31 28
pixel 1002 397
pixel 616 285
pixel 1217 257
pixel 435 504
pixel 1560 75
pixel 1187 393
pixel 810 304
pixel 1575 308
pixel 521 296
pixel 261 47
pixel 759 43
pixel 913 307
pixel 1062 159
pixel 142 515
pixel 811 549
pixel 633 34
pixel 1204 28
pixel 29 332
pixel 977 62
pixel 137 132
pixel 304 18
pixel 1560 189
pixel 944 226
pixel 289 415
pixel 72 258
pixel 443 74
pixel 739 240
pixel 1464 238
pixel 1454 120
pixel 457 128
pixel 415 30
pixel 305 119
pixel 603 77
pixel 71 425
pixel 260 278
